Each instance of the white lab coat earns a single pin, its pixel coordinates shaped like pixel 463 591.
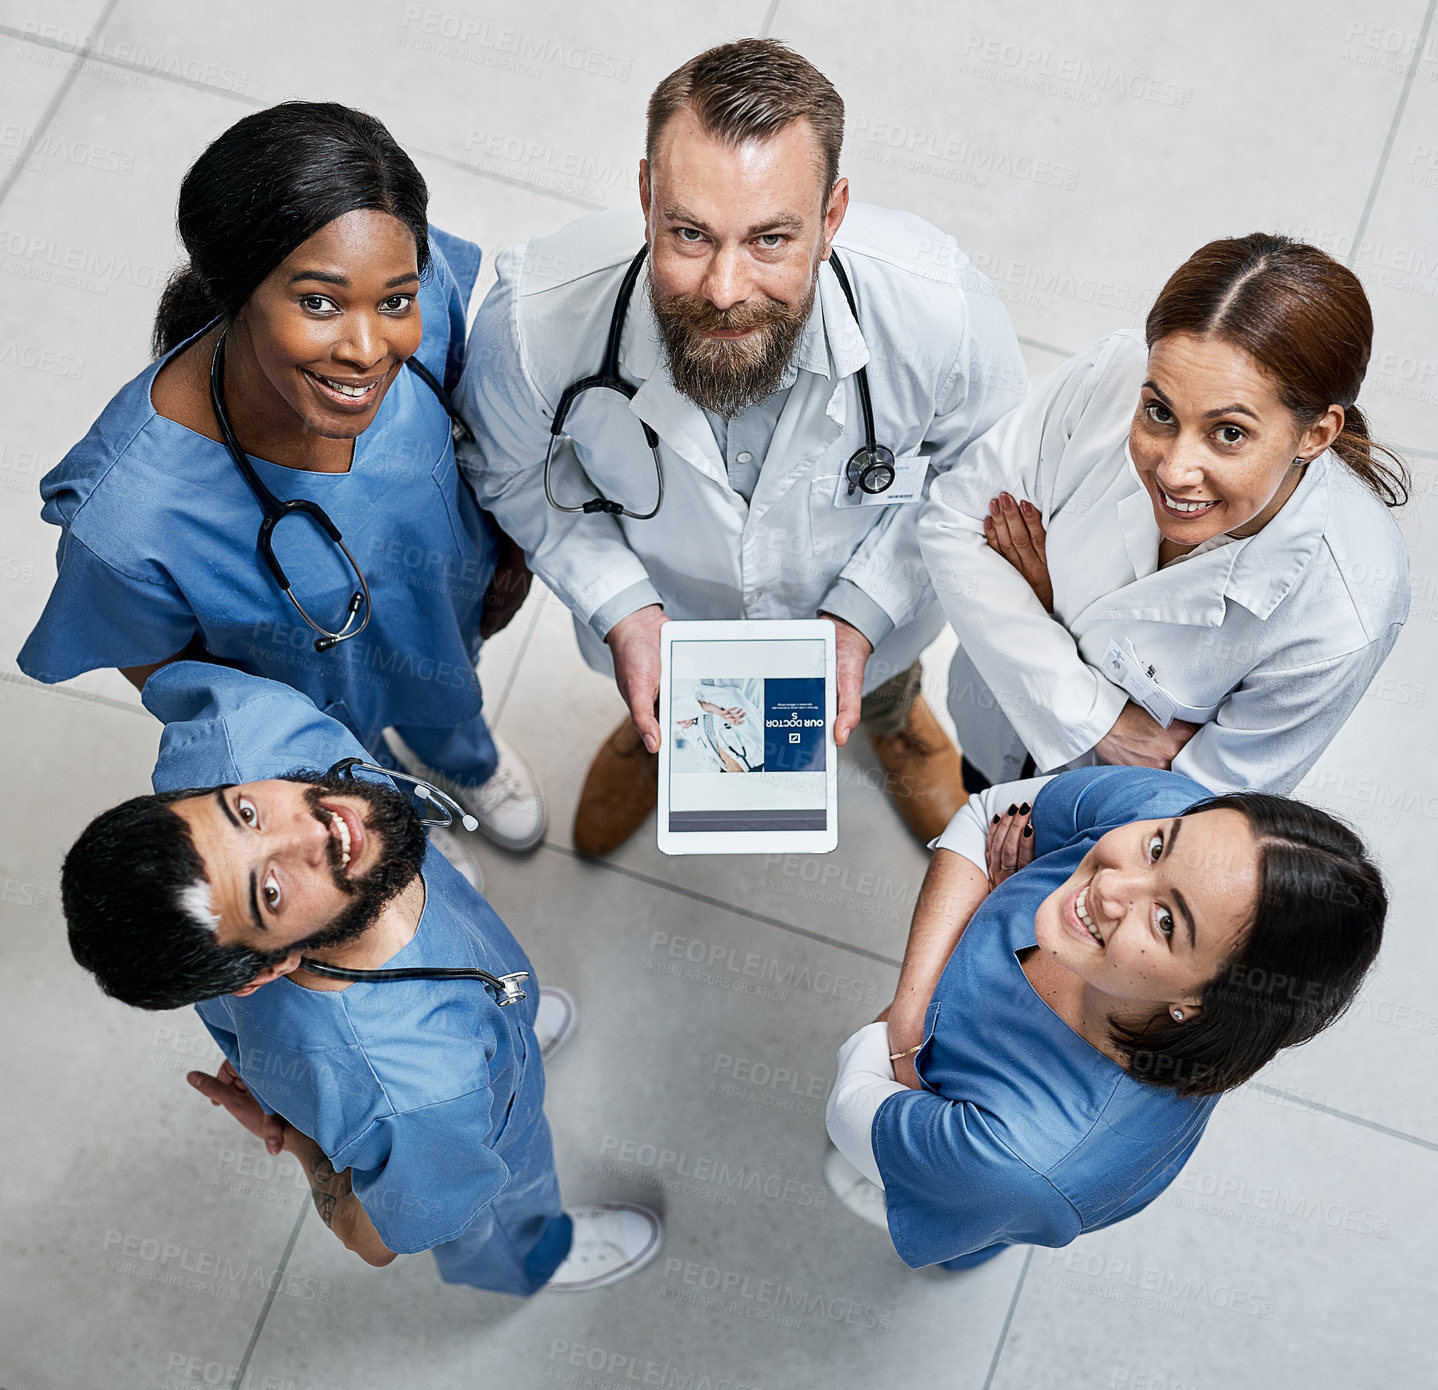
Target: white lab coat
pixel 1267 642
pixel 943 366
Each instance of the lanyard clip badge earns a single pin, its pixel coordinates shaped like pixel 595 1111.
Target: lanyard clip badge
pixel 1122 666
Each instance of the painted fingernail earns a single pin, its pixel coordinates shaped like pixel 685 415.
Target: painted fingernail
pixel 1012 810
pixel 1024 809
pixel 995 821
pixel 1028 830
pixel 1008 503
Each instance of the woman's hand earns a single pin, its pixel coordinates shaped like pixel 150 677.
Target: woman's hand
pixel 1016 531
pixel 1010 843
pixel 734 715
pixel 1137 739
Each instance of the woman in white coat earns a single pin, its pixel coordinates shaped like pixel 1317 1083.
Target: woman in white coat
pixel 1177 552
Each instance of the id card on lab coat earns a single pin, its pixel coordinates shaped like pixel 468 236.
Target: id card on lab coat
pixel 908 486
pixel 1122 665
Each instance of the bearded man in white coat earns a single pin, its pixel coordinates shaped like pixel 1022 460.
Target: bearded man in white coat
pixel 744 356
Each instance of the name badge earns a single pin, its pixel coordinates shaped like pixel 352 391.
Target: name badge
pixel 1122 666
pixel 908 486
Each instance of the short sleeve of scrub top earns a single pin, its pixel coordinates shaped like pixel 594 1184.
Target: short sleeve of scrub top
pixel 224 726
pixel 1096 799
pixel 460 1179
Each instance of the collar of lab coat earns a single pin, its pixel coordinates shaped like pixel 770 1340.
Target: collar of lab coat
pixel 1264 570
pixel 831 347
pixel 1257 574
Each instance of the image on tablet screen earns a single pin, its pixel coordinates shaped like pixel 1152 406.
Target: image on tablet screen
pixel 731 713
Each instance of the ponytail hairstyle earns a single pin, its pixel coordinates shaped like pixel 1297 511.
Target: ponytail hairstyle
pixel 1303 318
pixel 1315 931
pixel 265 186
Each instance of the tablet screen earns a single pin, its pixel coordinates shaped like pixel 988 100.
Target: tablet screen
pixel 748 751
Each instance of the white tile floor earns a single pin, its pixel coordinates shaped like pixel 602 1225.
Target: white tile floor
pixel 1078 153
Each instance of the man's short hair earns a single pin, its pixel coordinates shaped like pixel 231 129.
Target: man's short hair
pixel 137 903
pixel 750 90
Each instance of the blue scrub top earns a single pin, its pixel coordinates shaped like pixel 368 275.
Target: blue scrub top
pixel 409 1084
pixel 1024 1132
pixel 158 545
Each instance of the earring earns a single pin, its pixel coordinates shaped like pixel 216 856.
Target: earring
pixel 1177 1015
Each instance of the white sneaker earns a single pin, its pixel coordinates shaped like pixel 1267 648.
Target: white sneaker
pixel 509 806
pixel 612 1240
pixel 555 1020
pixel 453 848
pixel 864 1198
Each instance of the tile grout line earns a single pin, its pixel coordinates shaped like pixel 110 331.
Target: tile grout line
pixel 588 204
pixel 68 692
pixel 704 898
pixel 83 55
pixel 1008 1318
pixel 1402 106
pixel 1044 347
pixel 280 1268
pixel 514 670
pixel 1344 1115
pixel 175 79
pixel 61 92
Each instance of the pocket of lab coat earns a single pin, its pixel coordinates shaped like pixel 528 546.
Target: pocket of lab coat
pixel 836 531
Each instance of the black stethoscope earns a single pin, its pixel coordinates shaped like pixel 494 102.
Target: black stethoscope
pixel 506 988
pixel 275 511
pixel 870 470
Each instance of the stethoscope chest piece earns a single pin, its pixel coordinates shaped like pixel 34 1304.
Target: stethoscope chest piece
pixel 273 510
pixel 871 469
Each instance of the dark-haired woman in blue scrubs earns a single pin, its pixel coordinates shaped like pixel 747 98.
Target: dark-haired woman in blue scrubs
pixel 1061 1034
pixel 314 286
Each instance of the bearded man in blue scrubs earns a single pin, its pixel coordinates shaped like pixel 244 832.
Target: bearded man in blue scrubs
pixel 414 1107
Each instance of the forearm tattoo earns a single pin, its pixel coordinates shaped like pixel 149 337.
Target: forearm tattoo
pixel 328 1187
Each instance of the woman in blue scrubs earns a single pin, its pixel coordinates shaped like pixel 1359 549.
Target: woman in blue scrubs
pixel 313 281
pixel 1058 1041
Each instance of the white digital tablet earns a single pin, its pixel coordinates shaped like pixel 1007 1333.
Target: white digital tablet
pixel 746 760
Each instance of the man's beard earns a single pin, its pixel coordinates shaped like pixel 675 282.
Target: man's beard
pixel 390 815
pixel 725 376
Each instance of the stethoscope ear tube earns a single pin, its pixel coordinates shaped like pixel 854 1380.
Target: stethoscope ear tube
pixel 606 378
pixel 449 809
pixel 871 469
pixel 506 987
